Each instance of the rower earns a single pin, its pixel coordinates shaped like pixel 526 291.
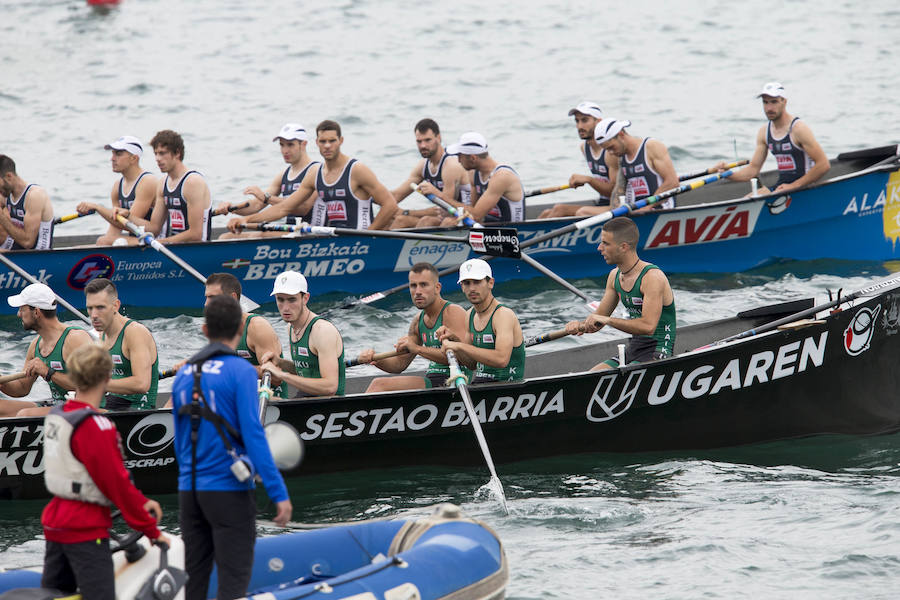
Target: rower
pixel 27 221
pixel 497 193
pixel 292 139
pixel 257 336
pixel 801 160
pixel 135 373
pixel 47 354
pixel 141 194
pixel 494 346
pixel 603 165
pixel 345 190
pixel 435 312
pixel 317 365
pixel 180 213
pixel 437 173
pixel 646 167
pixel 643 290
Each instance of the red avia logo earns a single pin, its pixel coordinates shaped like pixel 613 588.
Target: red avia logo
pixel 704 225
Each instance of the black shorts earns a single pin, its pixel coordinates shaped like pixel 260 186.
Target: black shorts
pixel 86 566
pixel 640 348
pixel 435 380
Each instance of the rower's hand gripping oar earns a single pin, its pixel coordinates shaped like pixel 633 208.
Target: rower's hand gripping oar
pixel 147 238
pixel 625 209
pixel 72 217
pixel 284 441
pixel 352 362
pixel 459 380
pixel 547 190
pixel 224 210
pixel 460 214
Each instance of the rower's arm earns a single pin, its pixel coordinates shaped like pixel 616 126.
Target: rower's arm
pixel 405 188
pixel 451 173
pixel 196 195
pixel 21 387
pixel 606 188
pixel 366 180
pixel 35 202
pixel 144 199
pixel 505 326
pixel 457 324
pixel 500 182
pixel 653 288
pixel 803 136
pixel 138 345
pixel 756 163
pixel 661 162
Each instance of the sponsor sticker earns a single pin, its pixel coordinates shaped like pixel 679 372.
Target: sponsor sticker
pixel 88 268
pixel 176 220
pixel 638 187
pixel 858 334
pixel 704 225
pixel 337 210
pixel 236 263
pixel 785 162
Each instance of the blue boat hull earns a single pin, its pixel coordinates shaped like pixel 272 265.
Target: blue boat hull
pixel 443 556
pixel 850 218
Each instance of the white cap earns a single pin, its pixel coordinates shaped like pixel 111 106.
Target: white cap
pixel 37 295
pixel 471 142
pixel 292 131
pixel 609 128
pixel 590 109
pixel 774 89
pixel 474 268
pixel 128 143
pixel 289 282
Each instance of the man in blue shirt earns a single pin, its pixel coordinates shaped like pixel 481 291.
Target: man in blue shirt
pixel 219 443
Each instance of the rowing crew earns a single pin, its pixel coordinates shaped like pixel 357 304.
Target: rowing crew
pixel 487 338
pixel 342 192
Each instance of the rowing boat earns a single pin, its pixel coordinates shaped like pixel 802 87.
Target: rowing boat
pixel 834 374
pixel 714 230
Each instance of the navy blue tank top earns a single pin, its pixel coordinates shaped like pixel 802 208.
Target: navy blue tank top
pixel 17 216
pixel 337 205
pixel 793 161
pixel 641 180
pixel 506 210
pixel 177 220
pixel 289 185
pixel 127 201
pixel 435 179
pixel 597 166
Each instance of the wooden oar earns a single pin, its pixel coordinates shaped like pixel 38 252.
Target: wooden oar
pixel 456 212
pixel 72 217
pixel 12 377
pixel 684 177
pixel 459 380
pixel 31 279
pixel 547 190
pixel 224 210
pixel 545 337
pixel 352 362
pixel 624 209
pixel 339 231
pixel 168 373
pixel 711 170
pixel 147 238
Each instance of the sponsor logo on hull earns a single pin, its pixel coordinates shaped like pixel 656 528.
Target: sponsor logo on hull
pixel 702 226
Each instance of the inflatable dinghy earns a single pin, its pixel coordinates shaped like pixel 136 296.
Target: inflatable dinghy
pixel 446 556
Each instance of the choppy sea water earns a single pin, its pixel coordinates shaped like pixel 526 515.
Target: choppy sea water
pixel 801 519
